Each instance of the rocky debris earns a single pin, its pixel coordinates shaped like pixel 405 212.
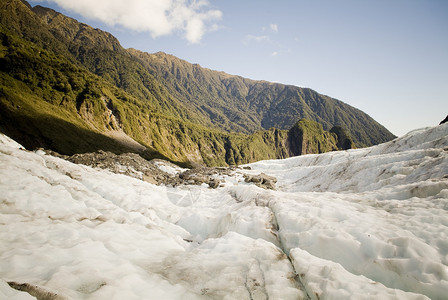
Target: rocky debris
pixel 214 183
pixel 202 175
pixel 53 153
pixel 155 171
pixel 130 164
pixel 262 180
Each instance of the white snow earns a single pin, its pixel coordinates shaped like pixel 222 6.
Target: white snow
pixel 7 292
pixel 168 167
pixel 362 224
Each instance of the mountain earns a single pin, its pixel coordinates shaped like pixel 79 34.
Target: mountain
pixel 48 102
pixel 236 103
pixel 362 224
pixel 231 103
pixel 72 88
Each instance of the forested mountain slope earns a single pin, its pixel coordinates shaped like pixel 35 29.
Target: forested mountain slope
pixel 72 88
pixel 236 103
pixel 230 102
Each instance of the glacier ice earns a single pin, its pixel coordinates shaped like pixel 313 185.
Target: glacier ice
pixel 364 224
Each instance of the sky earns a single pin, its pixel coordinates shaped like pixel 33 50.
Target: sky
pixel 388 58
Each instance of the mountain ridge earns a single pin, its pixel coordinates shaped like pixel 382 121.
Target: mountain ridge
pixel 69 110
pixel 239 104
pixel 104 87
pixel 257 100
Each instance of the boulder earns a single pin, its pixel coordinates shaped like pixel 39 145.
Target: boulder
pixel 262 180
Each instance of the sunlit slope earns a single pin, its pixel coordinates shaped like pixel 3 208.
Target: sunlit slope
pixel 176 88
pixel 240 104
pixel 49 101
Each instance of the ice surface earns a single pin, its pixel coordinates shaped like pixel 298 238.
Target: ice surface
pixel 7 292
pixel 168 167
pixel 363 224
pixel 325 279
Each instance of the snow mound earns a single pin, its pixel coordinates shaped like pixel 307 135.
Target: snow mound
pixel 364 224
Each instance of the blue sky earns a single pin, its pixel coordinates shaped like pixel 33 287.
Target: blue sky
pixel 387 58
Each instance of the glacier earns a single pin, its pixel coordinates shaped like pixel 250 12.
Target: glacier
pixel 367 223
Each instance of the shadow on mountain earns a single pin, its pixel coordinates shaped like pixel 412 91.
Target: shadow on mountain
pixel 45 131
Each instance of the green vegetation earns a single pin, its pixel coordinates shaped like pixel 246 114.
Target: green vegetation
pixel 43 97
pixel 233 103
pixel 342 136
pixel 308 137
pixel 46 101
pixel 66 86
pixel 179 89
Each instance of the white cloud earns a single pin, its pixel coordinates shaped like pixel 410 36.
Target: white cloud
pixel 257 38
pixel 274 27
pixel 275 53
pixel 159 17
